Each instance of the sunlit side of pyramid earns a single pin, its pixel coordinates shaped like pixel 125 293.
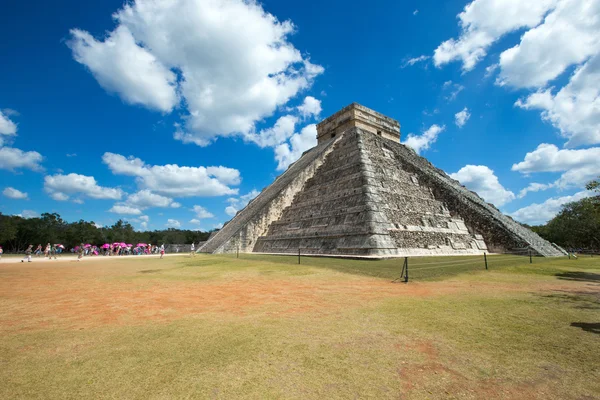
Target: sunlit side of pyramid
pixel 360 192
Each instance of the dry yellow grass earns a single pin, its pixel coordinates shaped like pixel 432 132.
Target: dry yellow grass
pixel 264 327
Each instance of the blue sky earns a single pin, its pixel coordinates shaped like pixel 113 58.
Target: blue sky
pixel 177 113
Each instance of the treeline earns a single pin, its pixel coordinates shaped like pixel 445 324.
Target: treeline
pixel 17 233
pixel 577 225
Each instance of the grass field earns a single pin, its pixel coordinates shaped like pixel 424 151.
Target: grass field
pixel 264 327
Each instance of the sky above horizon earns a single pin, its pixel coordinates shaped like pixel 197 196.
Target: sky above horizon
pixel 176 113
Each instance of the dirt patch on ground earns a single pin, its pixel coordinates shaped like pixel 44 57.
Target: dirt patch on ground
pixel 77 296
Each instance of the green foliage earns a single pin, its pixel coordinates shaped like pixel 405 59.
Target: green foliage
pixel 16 233
pixel 577 225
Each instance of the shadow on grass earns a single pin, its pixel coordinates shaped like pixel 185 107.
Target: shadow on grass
pixel 593 327
pixel 579 276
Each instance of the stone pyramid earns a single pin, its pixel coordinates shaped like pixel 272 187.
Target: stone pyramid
pixel 360 192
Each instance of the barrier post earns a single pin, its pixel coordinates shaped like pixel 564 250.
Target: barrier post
pixel 485 260
pixel 298 255
pixel 406 276
pixel 530 259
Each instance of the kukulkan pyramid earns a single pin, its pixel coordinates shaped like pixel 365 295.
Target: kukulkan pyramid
pixel 360 192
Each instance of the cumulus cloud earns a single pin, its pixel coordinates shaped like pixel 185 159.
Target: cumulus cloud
pixel 483 22
pixel 61 187
pixel 238 203
pixel 13 193
pixel 121 66
pixel 175 181
pixel 482 180
pixel 422 142
pixel 12 158
pixel 201 212
pixel 228 79
pixel 310 108
pixel 569 35
pixel 278 133
pixel 412 61
pixel 575 108
pixel 124 209
pixel 536 214
pixel 27 214
pixel 578 166
pixel 287 153
pixel 146 199
pixel 534 187
pixel 461 118
pixel 173 223
pixel 7 127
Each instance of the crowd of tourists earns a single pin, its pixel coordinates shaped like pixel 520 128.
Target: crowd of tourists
pixel 107 249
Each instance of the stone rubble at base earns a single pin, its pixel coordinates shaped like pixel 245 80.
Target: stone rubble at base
pixel 360 192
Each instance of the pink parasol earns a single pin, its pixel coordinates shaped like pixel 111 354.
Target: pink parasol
pixel 129 245
pixel 142 245
pixel 105 246
pixel 123 244
pixel 87 246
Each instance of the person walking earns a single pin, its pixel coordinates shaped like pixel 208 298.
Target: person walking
pixel 1 252
pixel 81 250
pixel 193 248
pixel 52 252
pixel 162 250
pixel 28 253
pixel 38 250
pixel 47 250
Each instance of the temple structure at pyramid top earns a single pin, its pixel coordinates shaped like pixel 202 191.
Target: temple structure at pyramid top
pixel 359 192
pixel 357 116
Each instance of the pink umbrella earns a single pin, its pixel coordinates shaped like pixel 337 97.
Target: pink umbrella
pixel 123 244
pixel 129 245
pixel 87 245
pixel 105 246
pixel 142 245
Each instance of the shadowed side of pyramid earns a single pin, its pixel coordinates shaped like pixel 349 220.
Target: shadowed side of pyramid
pixel 360 192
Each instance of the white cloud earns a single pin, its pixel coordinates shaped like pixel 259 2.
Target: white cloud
pixel 425 140
pixel 485 21
pixel 123 209
pixel 173 180
pixel 7 127
pixel 201 212
pixel 574 109
pixel 569 35
pixel 13 158
pixel 144 218
pixel 461 118
pixel 535 214
pixel 287 153
pixel 578 166
pixel 534 187
pixel 173 223
pixel 27 214
pixel 415 12
pixel 60 187
pixel 310 108
pixel 195 221
pixel 13 193
pixel 146 199
pixel 453 88
pixel 412 61
pixel 227 78
pixel 231 211
pixel 236 204
pixel 122 66
pixel 279 133
pixel 482 180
